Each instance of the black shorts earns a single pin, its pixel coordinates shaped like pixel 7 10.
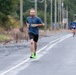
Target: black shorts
pixel 34 37
pixel 73 28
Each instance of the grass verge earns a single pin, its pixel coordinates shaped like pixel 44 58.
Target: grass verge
pixel 3 37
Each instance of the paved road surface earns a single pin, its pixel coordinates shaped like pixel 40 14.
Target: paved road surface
pixel 56 55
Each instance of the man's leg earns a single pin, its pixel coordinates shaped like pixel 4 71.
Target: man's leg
pixel 73 31
pixel 32 46
pixel 35 46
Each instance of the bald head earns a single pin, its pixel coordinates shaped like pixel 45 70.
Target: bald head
pixel 32 12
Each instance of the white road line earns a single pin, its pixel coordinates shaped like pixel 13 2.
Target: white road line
pixel 58 42
pixel 23 62
pixel 51 46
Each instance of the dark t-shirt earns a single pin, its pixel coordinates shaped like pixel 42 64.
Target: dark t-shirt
pixel 73 24
pixel 34 20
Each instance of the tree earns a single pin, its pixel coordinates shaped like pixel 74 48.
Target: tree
pixel 7 7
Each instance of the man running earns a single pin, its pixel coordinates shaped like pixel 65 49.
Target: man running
pixel 73 27
pixel 33 22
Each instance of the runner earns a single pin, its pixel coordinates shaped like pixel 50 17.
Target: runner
pixel 33 22
pixel 73 27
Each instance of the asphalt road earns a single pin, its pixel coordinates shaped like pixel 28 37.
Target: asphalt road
pixel 56 55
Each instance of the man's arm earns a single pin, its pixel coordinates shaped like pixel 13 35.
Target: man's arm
pixel 39 24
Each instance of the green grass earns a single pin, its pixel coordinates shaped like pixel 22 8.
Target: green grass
pixel 3 37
